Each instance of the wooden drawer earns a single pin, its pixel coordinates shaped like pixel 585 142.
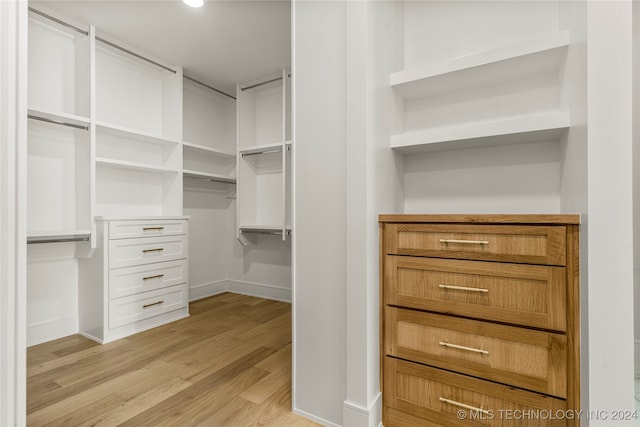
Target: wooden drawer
pixel 439 396
pixel 130 252
pixel 123 311
pixel 525 358
pixel 530 295
pixel 510 243
pixel 133 229
pixel 133 280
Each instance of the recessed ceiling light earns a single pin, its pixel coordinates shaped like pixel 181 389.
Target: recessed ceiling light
pixel 194 3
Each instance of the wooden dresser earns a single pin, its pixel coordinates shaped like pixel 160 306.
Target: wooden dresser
pixel 480 320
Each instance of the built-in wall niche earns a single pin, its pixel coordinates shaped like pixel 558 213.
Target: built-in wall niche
pixel 58 181
pixel 59 76
pixel 137 95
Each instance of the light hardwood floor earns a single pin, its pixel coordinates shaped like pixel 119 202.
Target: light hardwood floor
pixel 229 364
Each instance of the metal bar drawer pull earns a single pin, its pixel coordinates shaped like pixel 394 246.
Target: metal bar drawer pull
pixel 152 304
pixel 464 405
pixel 463 288
pixel 462 347
pixel 144 251
pixel 468 242
pixel 152 228
pixel 158 276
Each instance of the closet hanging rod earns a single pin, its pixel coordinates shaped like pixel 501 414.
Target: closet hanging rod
pixel 59 240
pixel 262 83
pixel 209 87
pixel 263 231
pixel 211 179
pixel 56 122
pixel 255 153
pixel 58 21
pixel 100 39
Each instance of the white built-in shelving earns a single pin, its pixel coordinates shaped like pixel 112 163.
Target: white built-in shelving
pixel 264 156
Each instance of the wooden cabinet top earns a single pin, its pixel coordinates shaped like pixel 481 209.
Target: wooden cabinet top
pixel 482 219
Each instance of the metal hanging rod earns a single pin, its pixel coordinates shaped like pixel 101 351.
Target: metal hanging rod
pixel 56 122
pixel 58 21
pixel 255 153
pixel 100 39
pixel 264 231
pixel 209 87
pixel 262 83
pixel 59 240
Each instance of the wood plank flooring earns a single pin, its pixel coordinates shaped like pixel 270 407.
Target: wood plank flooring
pixel 229 364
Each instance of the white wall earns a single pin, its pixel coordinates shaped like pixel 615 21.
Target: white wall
pixel 13 158
pixel 610 222
pixel 319 261
pixel 636 181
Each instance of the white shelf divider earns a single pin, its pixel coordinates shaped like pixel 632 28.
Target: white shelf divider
pixel 208 150
pixel 498 64
pixel 133 165
pixel 512 130
pixel 132 134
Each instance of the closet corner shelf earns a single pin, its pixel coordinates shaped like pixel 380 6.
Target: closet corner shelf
pixel 513 130
pixel 493 65
pixel 208 150
pixel 208 176
pixel 73 119
pixel 133 165
pixel 58 236
pixel 132 134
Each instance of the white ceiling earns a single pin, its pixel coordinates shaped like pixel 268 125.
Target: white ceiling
pixel 221 43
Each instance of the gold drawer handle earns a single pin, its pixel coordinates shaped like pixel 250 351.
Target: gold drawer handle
pixel 461 347
pixel 468 242
pixel 144 251
pixel 463 288
pixel 152 304
pixel 464 405
pixel 152 228
pixel 153 277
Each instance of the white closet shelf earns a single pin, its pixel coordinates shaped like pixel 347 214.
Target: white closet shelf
pixel 38 236
pixel 73 119
pixel 208 176
pixel 506 62
pixel 132 134
pixel 133 165
pixel 208 150
pixel 512 130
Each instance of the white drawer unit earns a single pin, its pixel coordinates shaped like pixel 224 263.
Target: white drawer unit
pixel 137 279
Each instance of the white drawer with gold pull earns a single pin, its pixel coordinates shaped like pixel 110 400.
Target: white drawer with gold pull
pixel 133 229
pixel 130 252
pixel 148 277
pixel 123 311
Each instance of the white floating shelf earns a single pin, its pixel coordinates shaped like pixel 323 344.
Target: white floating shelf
pixel 507 131
pixel 208 176
pixel 72 119
pixel 52 236
pixel 530 57
pixel 207 150
pixel 132 134
pixel 133 165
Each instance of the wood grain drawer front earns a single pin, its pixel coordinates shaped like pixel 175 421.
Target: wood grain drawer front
pixel 123 311
pixel 529 295
pixel 133 280
pixel 439 396
pixel 130 252
pixel 510 243
pixel 524 358
pixel 133 229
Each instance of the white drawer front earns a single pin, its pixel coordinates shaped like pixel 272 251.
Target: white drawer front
pixel 130 252
pixel 133 229
pixel 124 311
pixel 148 277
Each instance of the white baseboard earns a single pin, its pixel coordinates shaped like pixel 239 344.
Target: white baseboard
pixel 261 290
pixel 205 290
pixel 50 330
pixel 357 416
pixel 315 419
